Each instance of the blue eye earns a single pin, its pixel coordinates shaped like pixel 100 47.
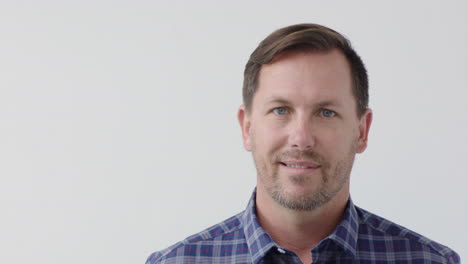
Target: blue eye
pixel 327 113
pixel 280 111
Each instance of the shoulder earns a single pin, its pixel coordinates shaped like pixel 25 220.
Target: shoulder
pixel 219 239
pixel 390 238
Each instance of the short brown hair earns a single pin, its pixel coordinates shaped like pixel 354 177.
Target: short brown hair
pixel 308 38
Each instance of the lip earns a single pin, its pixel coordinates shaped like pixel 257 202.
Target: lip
pixel 312 167
pixel 308 164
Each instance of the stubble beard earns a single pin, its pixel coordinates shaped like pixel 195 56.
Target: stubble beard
pixel 333 179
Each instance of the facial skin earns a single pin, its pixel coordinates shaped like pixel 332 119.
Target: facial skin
pixel 303 129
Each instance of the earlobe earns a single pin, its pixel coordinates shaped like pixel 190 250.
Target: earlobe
pixel 244 122
pixel 364 126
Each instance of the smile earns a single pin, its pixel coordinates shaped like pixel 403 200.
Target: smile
pixel 300 164
pixel 297 166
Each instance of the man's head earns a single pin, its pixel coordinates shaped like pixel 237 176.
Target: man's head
pixel 307 38
pixel 305 115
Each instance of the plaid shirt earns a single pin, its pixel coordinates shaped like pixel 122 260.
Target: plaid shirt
pixel 361 237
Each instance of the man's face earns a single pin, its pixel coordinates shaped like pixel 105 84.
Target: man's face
pixel 303 129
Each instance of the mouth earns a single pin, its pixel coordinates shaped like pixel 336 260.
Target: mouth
pixel 301 165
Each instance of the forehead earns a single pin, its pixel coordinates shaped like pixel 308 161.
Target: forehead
pixel 306 77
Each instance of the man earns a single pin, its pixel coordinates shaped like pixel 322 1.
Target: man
pixel 305 116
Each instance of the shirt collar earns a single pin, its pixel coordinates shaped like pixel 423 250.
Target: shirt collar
pixel 346 233
pixel 260 242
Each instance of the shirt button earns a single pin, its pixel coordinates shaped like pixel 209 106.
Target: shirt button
pixel 280 250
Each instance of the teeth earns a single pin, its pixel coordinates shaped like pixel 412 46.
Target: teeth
pixel 296 166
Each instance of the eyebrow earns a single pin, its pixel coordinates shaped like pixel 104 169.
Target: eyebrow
pixel 278 100
pixel 282 101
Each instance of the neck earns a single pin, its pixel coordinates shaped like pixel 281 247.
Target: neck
pixel 299 231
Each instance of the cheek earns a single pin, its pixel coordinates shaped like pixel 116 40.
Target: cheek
pixel 266 139
pixel 336 141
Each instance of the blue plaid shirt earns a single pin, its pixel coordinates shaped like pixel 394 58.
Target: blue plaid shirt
pixel 361 237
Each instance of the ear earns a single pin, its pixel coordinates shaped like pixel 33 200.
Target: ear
pixel 364 126
pixel 244 122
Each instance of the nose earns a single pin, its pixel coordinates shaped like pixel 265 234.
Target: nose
pixel 301 135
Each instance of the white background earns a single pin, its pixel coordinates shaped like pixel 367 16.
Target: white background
pixel 118 130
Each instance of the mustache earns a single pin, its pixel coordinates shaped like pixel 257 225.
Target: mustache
pixel 307 155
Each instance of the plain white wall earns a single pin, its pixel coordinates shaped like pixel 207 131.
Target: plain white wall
pixel 118 131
